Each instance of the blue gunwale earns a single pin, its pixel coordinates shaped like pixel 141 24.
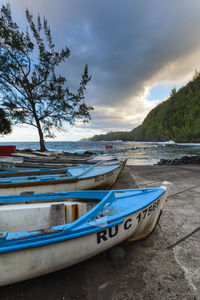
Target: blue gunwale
pixel 19 172
pixel 87 172
pixel 82 226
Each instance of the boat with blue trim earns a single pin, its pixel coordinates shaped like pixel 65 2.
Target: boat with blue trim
pixel 44 233
pixel 101 175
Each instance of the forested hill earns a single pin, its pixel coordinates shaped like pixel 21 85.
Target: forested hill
pixel 177 118
pixel 112 136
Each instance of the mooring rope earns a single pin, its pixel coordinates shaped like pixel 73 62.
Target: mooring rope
pixel 183 239
pixel 191 233
pixel 188 189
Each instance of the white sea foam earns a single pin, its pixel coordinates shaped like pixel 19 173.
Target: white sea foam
pixel 138 153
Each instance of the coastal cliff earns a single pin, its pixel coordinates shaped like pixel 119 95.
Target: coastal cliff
pixel 177 118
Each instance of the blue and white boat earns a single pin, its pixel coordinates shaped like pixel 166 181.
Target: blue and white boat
pixel 101 175
pixel 44 233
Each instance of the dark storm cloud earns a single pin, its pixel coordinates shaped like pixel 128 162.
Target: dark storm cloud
pixel 125 43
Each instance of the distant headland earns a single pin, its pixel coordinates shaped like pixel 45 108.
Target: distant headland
pixel 177 119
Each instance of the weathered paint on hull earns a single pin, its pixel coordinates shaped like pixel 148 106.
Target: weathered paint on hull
pixel 145 228
pixel 96 182
pixel 29 263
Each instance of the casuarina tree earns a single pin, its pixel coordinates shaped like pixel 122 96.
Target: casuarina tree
pixel 5 125
pixel 31 90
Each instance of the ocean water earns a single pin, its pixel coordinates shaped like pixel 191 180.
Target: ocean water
pixel 137 153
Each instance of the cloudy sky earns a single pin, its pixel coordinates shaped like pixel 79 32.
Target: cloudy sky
pixel 136 51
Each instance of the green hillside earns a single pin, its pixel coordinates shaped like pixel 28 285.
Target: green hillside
pixel 177 118
pixel 112 136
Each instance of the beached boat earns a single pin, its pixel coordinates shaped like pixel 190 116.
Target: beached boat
pixel 56 162
pixel 36 170
pixel 29 172
pixel 101 175
pixel 85 223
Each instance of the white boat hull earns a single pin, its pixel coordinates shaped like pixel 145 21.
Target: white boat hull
pixel 103 181
pixel 32 262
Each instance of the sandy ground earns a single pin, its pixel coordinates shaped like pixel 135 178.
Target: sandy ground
pixel 166 265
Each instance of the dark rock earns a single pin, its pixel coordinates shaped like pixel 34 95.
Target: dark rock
pixel 88 153
pixel 180 161
pixel 116 253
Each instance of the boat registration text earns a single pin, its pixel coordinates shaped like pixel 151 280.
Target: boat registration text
pixel 111 232
pixel 104 176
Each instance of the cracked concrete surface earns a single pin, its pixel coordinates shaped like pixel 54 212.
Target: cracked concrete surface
pixel 180 221
pixel 156 268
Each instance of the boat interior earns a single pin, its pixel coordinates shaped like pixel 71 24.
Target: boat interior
pixel 24 213
pixel 29 216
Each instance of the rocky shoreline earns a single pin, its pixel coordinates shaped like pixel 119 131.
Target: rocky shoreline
pixel 180 161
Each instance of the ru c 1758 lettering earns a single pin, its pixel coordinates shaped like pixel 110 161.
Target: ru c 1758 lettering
pixel 111 232
pixel 105 234
pixel 104 176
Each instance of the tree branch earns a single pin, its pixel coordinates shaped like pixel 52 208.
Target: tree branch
pixel 14 58
pixel 11 83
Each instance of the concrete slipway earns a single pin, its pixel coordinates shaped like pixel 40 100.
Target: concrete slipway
pixel 166 265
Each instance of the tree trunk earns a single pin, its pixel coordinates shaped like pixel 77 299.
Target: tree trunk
pixel 42 146
pixel 41 136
